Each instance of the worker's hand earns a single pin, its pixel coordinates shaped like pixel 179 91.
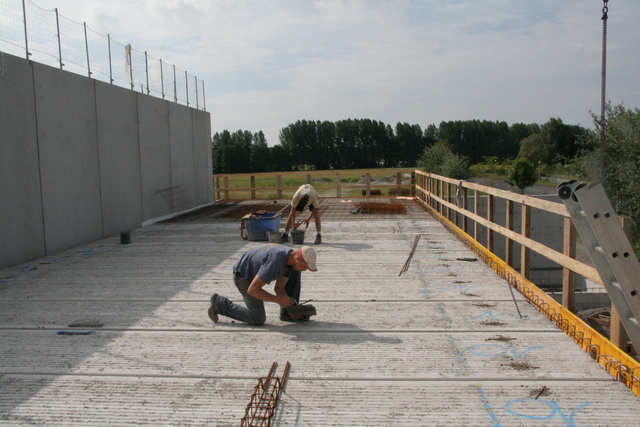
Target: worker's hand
pixel 287 301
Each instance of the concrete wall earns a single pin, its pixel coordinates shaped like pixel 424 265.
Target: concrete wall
pixel 82 160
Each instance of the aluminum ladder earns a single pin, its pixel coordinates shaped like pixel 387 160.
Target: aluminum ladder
pixel 609 249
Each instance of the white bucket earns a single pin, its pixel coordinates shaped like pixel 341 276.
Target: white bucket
pixel 274 236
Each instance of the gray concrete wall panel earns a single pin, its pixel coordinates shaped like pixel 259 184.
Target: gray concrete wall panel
pixel 119 149
pixel 155 156
pixel 21 231
pixel 83 160
pixel 182 195
pixel 202 156
pixel 66 114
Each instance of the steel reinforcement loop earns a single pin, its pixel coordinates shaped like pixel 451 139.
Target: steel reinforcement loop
pixel 613 366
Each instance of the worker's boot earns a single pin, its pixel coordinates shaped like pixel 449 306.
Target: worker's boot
pixel 318 239
pixel 285 237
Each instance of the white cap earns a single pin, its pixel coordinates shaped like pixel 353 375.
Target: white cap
pixel 308 255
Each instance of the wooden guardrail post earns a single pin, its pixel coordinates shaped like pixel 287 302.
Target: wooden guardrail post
pixel 279 185
pixel 226 187
pixel 465 207
pixel 476 210
pixel 338 185
pixel 253 187
pixel 413 184
pixel 368 184
pixel 447 196
pixel 526 232
pixel 508 244
pixel 568 276
pixel 490 215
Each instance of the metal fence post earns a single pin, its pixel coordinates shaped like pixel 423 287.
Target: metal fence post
pixel 162 78
pixel 175 85
pixel 86 45
pixel 146 66
pixel 58 35
pixel 186 86
pixel 195 79
pixel 110 64
pixel 204 102
pixel 26 38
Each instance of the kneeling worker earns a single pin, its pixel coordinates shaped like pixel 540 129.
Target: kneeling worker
pixel 256 268
pixel 306 196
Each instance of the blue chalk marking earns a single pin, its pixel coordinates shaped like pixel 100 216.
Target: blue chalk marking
pixel 552 406
pixel 444 313
pixel 487 406
pixel 494 316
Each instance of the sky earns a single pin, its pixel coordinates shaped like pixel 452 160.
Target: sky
pixel 269 63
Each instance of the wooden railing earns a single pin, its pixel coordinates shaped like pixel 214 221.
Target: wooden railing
pixel 439 193
pixel 327 183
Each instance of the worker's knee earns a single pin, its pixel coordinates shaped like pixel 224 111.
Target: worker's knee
pixel 258 320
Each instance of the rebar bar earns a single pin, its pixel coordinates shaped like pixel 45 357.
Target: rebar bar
pixel 264 400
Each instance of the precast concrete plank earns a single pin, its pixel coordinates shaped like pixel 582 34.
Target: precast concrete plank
pixel 330 288
pixel 352 270
pixel 107 400
pixel 332 315
pixel 123 401
pixel 333 354
pixel 456 403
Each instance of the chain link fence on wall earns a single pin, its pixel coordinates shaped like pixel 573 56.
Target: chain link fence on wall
pixel 49 38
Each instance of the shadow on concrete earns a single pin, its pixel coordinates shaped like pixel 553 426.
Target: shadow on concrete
pixel 340 333
pixel 352 247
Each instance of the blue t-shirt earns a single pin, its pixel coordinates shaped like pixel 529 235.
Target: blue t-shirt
pixel 267 261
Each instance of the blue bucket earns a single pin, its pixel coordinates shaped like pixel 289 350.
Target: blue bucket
pixel 257 226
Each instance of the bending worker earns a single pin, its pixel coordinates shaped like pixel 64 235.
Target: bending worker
pixel 257 267
pixel 306 196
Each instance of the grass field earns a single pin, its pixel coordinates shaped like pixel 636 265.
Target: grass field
pixel 351 182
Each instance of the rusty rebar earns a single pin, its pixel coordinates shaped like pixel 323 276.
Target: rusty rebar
pixel 264 400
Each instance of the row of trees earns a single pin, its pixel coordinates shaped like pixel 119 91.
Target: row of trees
pixel 365 143
pixel 450 148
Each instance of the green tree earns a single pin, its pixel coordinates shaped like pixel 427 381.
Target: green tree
pixel 616 163
pixel 280 159
pixel 441 160
pixel 523 174
pixel 260 157
pixel 409 144
pixel 532 148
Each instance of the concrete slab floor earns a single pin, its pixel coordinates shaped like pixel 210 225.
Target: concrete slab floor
pixel 112 334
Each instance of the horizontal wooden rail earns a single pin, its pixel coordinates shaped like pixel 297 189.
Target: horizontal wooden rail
pixel 437 192
pixel 328 183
